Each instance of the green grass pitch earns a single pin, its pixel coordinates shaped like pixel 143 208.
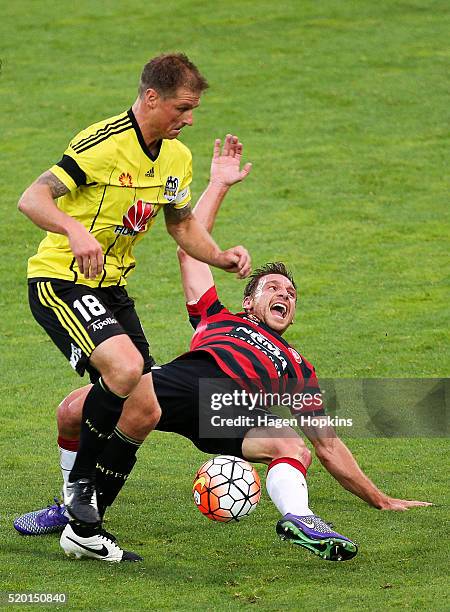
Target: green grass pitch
pixel 343 110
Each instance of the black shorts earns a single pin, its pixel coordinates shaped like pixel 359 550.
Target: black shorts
pixel 78 318
pixel 177 387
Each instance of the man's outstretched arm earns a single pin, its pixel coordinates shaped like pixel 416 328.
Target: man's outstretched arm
pixel 225 172
pixel 339 461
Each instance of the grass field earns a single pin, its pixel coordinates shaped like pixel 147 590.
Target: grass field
pixel 343 109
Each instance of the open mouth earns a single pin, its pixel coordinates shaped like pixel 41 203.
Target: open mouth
pixel 279 310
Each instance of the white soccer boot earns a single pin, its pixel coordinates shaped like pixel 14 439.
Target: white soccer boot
pixel 100 545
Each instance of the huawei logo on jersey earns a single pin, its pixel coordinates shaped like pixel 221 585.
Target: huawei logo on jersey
pixel 138 215
pixel 136 219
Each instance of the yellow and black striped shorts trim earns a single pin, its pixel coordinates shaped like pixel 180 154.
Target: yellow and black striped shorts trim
pixel 79 318
pixel 66 316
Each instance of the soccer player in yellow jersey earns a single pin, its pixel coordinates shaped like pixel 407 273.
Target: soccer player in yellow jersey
pixel 96 203
pixel 270 306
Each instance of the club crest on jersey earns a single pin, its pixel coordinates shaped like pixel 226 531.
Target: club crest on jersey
pixel 136 219
pixel 126 180
pixel 171 188
pixel 295 355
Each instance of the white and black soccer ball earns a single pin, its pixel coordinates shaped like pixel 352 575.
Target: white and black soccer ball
pixel 226 488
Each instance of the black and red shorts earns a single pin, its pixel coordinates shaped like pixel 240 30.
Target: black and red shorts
pixel 178 387
pixel 78 318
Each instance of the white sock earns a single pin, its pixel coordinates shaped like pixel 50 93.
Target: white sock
pixel 66 461
pixel 286 485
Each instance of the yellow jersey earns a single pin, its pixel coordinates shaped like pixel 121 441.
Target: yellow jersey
pixel 116 191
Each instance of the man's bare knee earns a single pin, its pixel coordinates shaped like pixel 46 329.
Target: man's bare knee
pixel 119 363
pixel 123 376
pixel 291 447
pixel 267 444
pixel 68 415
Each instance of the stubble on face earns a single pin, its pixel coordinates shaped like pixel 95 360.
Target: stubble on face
pixel 261 300
pixel 176 112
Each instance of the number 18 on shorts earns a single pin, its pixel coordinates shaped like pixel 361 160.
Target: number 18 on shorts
pixel 77 317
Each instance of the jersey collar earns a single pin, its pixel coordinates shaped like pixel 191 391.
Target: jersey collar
pixel 262 325
pixel 140 138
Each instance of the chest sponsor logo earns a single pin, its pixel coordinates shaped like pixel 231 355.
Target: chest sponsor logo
pixel 136 219
pixel 171 188
pixel 262 343
pixel 126 180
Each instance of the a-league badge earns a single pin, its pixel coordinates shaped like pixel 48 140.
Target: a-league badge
pixel 171 188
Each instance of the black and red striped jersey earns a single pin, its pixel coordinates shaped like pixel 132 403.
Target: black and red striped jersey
pixel 250 351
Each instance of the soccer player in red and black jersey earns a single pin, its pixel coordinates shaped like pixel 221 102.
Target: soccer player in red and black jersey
pixel 233 353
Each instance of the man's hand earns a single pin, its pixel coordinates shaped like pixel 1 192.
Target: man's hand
pixel 86 249
pixel 192 232
pixel 225 165
pixel 340 463
pixel 236 259
pixel 390 503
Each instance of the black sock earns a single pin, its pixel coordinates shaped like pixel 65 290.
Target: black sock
pixel 101 412
pixel 113 467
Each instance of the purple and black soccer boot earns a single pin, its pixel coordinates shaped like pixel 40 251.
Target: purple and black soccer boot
pixel 314 534
pixel 40 522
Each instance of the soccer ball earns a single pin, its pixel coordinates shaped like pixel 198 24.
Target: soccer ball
pixel 226 489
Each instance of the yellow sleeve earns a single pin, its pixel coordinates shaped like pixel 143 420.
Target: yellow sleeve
pixel 81 167
pixel 64 177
